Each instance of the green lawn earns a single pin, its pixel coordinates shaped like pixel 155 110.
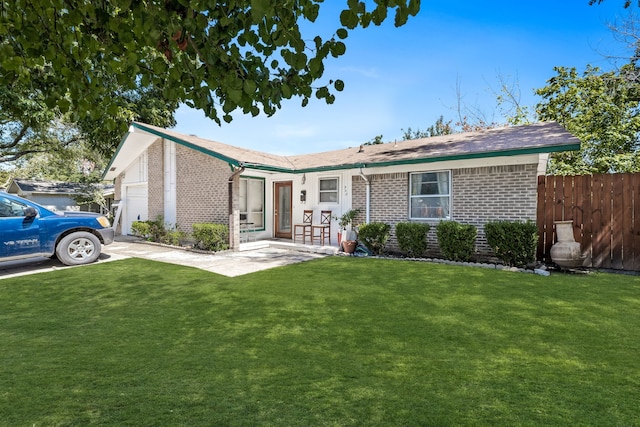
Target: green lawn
pixel 337 341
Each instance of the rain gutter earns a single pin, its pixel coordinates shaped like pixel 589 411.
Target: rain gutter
pixel 368 196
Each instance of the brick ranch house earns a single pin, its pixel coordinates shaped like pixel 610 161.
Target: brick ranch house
pixel 468 177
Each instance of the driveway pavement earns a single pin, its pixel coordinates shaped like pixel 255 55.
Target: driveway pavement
pixel 253 256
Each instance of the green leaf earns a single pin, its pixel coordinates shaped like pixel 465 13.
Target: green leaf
pixel 288 57
pixel 311 11
pixel 349 19
pixel 316 68
pixel 235 95
pixel 365 20
pixel 338 49
pixel 112 109
pixel 249 87
pixel 228 106
pixel 401 17
pixel 258 9
pixel 64 104
pixel 339 85
pixel 322 92
pixel 379 15
pixel 342 33
pixel 300 61
pixel 414 7
pixel 286 90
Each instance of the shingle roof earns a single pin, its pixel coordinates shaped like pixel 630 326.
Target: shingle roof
pixel 535 138
pixel 526 139
pixel 50 187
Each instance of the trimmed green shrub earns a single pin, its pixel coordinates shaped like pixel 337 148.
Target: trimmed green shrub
pixel 156 231
pixel 412 237
pixel 456 241
pixel 374 236
pixel 150 230
pixel 514 242
pixel 141 229
pixel 211 237
pixel 173 237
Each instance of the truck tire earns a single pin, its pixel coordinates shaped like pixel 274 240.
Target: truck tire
pixel 78 248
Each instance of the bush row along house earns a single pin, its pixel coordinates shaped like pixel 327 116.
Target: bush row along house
pixel 467 177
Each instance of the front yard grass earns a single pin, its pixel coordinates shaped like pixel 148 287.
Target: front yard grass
pixel 337 341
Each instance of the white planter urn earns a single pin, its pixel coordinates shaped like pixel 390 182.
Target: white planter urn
pixel 566 252
pixel 349 235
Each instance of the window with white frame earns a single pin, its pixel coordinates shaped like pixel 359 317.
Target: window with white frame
pixel 328 190
pixel 430 195
pixel 252 202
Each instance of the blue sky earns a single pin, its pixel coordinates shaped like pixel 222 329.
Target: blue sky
pixel 399 78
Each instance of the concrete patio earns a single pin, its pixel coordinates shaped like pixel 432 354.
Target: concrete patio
pixel 252 256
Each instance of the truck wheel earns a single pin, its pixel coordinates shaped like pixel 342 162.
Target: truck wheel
pixel 78 248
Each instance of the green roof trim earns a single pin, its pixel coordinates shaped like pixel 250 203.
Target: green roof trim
pixel 267 168
pixel 233 162
pixel 485 154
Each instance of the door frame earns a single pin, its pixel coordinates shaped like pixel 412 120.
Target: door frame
pixel 277 187
pixel 125 224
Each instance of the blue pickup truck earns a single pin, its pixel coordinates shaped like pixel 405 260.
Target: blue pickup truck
pixel 28 230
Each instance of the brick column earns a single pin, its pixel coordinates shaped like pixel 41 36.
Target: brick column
pixel 234 210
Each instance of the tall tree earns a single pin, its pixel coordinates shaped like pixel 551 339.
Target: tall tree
pixel 143 104
pixel 214 56
pixel 29 127
pixel 440 127
pixel 375 140
pixel 509 103
pixel 600 108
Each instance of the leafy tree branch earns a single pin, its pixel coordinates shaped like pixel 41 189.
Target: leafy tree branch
pixel 219 57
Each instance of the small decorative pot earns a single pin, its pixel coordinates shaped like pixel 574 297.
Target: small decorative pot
pixel 566 252
pixel 349 246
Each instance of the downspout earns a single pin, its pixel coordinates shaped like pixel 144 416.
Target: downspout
pixel 367 195
pixel 234 210
pixel 231 178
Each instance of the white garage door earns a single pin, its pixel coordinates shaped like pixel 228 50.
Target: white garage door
pixel 135 206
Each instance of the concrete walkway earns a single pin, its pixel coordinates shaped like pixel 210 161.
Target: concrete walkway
pixel 252 257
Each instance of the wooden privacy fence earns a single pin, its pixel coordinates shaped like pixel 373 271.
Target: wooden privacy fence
pixel 605 210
